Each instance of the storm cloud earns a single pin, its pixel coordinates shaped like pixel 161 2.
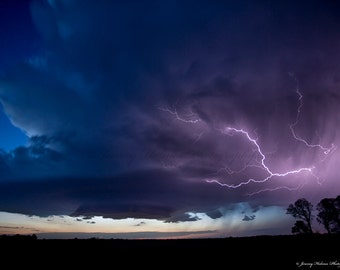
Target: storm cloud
pixel 127 104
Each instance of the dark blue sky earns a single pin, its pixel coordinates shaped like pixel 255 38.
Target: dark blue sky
pixel 19 40
pixel 157 109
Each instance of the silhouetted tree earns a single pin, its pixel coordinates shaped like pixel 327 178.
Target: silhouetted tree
pixel 300 227
pixel 337 206
pixel 329 212
pixel 301 209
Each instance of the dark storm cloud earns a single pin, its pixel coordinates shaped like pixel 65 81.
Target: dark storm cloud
pixel 181 218
pixel 151 194
pixel 248 218
pixel 149 86
pixel 33 161
pixel 214 214
pixel 140 224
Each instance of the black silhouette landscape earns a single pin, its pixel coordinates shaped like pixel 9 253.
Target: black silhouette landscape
pixel 291 251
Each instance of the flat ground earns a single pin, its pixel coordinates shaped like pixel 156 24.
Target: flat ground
pixel 259 252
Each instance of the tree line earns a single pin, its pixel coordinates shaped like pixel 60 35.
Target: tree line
pixel 328 214
pixel 18 237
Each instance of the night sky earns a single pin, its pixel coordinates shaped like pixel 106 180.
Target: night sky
pixel 166 118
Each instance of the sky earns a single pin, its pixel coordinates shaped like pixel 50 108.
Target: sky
pixel 166 119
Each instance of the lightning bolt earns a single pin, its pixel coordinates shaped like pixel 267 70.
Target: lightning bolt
pixel 325 150
pixel 276 188
pixel 199 136
pixel 190 117
pixel 270 174
pixel 263 165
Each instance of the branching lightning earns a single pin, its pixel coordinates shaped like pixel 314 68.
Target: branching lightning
pixel 261 162
pixel 325 150
pixel 277 188
pixel 189 118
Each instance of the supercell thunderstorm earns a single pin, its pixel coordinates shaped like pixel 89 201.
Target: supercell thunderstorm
pixel 175 107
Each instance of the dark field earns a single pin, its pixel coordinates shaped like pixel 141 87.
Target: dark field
pixel 270 252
